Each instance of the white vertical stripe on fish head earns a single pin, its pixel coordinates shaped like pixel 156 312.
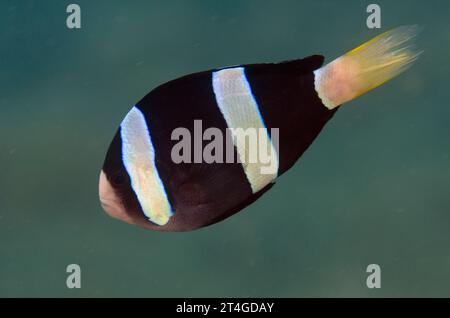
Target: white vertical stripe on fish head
pixel 138 156
pixel 241 112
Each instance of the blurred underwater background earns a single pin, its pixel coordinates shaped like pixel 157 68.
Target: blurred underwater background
pixel 373 188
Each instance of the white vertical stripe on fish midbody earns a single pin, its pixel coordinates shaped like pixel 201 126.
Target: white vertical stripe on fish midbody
pixel 138 157
pixel 240 110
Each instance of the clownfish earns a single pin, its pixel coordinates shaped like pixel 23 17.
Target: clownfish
pixel 287 104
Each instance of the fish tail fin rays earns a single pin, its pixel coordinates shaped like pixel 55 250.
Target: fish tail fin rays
pixel 367 66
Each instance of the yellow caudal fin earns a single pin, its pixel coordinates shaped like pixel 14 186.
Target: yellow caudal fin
pixel 367 66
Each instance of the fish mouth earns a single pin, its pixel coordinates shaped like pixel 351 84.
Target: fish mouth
pixel 110 201
pixel 109 207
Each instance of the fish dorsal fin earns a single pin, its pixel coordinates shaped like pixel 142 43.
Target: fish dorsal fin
pixel 307 64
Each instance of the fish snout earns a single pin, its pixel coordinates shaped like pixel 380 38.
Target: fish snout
pixel 110 201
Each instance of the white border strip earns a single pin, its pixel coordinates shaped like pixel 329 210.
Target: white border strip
pixel 138 157
pixel 240 110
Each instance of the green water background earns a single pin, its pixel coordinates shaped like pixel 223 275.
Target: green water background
pixel 373 188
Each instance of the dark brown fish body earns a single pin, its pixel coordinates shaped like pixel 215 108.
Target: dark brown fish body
pixel 142 184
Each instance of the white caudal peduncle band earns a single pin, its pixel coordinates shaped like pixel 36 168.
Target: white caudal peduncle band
pixel 240 110
pixel 139 161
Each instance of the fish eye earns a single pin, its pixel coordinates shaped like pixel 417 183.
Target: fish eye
pixel 119 179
